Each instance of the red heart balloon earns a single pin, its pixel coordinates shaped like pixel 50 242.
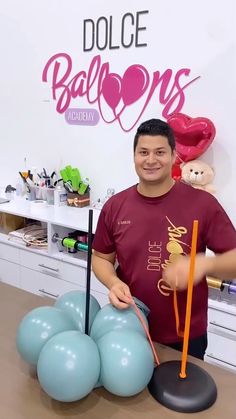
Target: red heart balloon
pixel 176 172
pixel 193 136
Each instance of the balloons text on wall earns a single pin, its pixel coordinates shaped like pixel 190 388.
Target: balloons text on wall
pixel 193 136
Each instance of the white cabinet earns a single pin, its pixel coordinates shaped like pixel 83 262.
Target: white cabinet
pixel 8 252
pixel 9 273
pixel 40 263
pixel 44 284
pixel 51 277
pixel 9 264
pixel 221 321
pixel 52 271
pixel 73 273
pixel 221 347
pixel 54 267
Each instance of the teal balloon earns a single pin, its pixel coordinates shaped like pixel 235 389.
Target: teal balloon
pixel 37 327
pixel 69 366
pixel 74 303
pixel 110 318
pixel 127 362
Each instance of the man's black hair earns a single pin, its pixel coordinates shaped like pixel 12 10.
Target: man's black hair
pixel 155 127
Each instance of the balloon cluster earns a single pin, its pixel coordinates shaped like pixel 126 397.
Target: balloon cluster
pixel 70 363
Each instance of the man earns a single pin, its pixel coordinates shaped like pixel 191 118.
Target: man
pixel 147 230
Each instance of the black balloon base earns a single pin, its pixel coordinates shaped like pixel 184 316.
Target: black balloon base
pixel 194 393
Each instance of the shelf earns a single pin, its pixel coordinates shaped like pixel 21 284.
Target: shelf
pixel 75 218
pixel 6 239
pixel 62 220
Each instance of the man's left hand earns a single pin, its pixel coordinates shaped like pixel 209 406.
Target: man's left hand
pixel 177 273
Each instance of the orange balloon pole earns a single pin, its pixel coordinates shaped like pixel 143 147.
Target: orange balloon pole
pixel 189 299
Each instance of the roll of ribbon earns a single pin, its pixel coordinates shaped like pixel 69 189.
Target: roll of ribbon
pixel 232 288
pixel 68 242
pixel 215 283
pixel 74 244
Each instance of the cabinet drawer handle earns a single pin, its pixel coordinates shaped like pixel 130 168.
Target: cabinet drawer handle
pixel 221 360
pixel 222 327
pixel 48 267
pixel 49 293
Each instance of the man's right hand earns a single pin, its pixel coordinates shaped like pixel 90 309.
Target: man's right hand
pixel 120 296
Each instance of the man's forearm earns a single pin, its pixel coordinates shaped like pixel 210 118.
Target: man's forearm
pixel 104 271
pixel 222 266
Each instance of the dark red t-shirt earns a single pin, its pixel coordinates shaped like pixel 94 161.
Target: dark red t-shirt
pixel 148 233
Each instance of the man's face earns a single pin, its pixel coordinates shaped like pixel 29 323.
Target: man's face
pixel 153 158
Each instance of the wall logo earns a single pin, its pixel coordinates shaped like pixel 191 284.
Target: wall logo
pixel 117 97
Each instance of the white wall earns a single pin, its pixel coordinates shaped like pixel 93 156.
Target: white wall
pixel 195 35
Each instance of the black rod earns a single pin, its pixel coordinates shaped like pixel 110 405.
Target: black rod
pixel 89 256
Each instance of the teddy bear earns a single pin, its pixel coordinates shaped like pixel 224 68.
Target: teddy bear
pixel 198 174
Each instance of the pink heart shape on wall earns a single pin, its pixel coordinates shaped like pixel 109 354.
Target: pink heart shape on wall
pixel 193 136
